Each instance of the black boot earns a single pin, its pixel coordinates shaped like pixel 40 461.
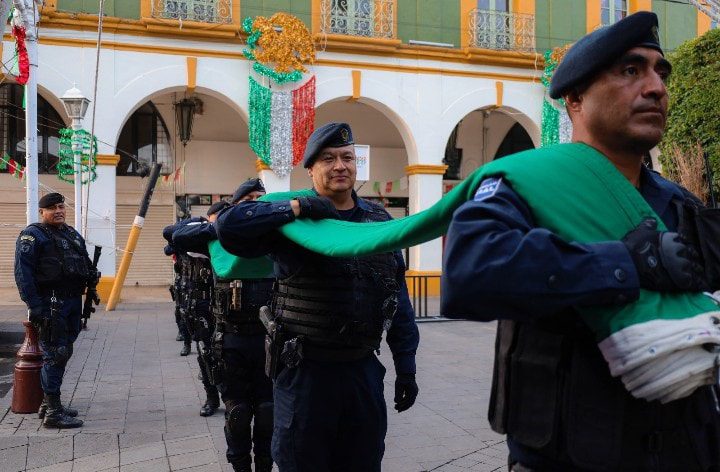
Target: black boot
pixel 211 405
pixel 66 409
pixel 185 349
pixel 242 465
pixel 179 337
pixel 55 416
pixel 263 464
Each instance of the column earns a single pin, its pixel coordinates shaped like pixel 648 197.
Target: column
pixel 272 182
pixel 425 189
pixel 101 220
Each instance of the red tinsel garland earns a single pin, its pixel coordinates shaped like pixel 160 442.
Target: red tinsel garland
pixel 23 59
pixel 303 118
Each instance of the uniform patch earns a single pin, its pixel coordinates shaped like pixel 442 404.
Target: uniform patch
pixel 25 248
pixel 487 188
pixel 27 237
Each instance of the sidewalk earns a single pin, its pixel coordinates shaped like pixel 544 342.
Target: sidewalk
pixel 140 402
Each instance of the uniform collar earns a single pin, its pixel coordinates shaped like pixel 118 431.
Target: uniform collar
pixel 657 191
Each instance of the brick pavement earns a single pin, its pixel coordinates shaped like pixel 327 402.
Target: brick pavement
pixel 140 402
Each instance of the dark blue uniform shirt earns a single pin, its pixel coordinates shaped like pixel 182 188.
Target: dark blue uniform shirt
pixel 499 265
pixel 194 237
pixel 247 230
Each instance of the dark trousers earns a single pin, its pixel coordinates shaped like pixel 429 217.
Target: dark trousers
pixel 330 416
pixel 180 322
pixel 245 387
pixel 200 325
pixel 58 349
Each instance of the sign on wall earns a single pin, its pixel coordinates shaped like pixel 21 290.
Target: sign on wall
pixel 362 156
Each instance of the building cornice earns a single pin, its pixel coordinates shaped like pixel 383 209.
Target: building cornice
pixel 426 169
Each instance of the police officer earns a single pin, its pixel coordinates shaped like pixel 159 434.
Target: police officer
pixel 176 291
pixel 552 390
pixel 52 269
pixel 195 292
pixel 239 347
pixel 328 319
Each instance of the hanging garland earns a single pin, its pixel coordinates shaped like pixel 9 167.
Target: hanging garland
pixel 12 167
pixel 66 164
pixel 282 40
pixel 280 124
pixel 556 127
pixel 23 59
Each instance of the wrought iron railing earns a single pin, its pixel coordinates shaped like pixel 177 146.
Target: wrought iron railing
pixel 368 18
pixel 424 304
pixel 206 11
pixel 490 29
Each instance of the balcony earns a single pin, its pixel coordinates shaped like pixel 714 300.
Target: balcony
pixel 362 18
pixel 203 11
pixel 499 30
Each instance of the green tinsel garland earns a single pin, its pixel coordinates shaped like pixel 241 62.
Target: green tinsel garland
pixel 66 164
pixel 550 132
pixel 260 114
pixel 262 69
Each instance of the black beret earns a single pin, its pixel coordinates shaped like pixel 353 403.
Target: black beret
pixel 327 136
pixel 250 185
pixel 51 199
pixel 217 206
pixel 603 47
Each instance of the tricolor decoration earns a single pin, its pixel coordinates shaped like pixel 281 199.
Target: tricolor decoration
pixel 66 163
pixel 383 188
pixel 556 125
pixel 280 120
pixel 12 167
pixel 280 124
pixel 167 180
pixel 23 61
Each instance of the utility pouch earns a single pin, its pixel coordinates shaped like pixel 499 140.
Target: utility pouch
pixel 292 352
pixel 235 295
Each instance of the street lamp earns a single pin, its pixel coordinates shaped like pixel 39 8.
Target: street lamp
pixel 76 105
pixel 184 113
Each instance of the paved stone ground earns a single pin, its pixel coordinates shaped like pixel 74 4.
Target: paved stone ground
pixel 140 402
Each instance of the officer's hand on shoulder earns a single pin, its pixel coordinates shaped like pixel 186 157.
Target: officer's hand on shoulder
pixel 406 391
pixel 665 262
pixel 316 208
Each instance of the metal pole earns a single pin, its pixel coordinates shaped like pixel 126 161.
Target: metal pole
pixel 31 156
pixel 77 160
pixel 132 239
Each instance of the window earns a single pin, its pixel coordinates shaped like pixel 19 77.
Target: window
pixel 207 11
pixel 612 11
pixel 12 129
pixel 353 17
pixel 146 138
pixel 496 5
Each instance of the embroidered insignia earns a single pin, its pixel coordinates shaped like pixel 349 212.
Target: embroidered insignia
pixel 487 189
pixel 27 237
pixel 345 135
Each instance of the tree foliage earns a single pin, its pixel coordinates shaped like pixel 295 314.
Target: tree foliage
pixel 694 114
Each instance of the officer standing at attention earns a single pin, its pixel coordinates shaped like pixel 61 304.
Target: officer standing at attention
pixel 328 317
pixel 239 347
pixel 552 392
pixel 176 291
pixel 52 269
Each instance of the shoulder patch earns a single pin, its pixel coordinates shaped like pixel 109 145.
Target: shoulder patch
pixel 27 237
pixel 487 188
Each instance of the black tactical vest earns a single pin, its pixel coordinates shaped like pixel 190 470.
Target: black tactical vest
pixel 63 265
pixel 340 302
pixel 236 304
pixel 196 277
pixel 553 395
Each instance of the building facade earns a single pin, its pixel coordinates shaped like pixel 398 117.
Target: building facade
pixel 435 88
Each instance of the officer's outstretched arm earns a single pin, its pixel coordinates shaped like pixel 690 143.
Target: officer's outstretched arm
pixel 499 265
pixel 26 257
pixel 248 229
pixel 194 237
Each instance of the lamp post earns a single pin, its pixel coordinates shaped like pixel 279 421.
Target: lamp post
pixel 76 105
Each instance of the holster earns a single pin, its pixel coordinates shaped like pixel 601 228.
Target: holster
pixel 273 350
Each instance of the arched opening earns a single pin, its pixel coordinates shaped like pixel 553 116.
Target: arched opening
pixel 144 140
pixel 12 129
pixel 480 137
pixel 386 181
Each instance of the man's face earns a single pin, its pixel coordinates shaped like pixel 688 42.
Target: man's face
pixel 254 195
pixel 55 215
pixel 334 170
pixel 626 105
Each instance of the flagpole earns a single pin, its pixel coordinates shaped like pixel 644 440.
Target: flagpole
pixel 31 157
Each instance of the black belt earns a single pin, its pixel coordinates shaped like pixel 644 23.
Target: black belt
pixel 62 292
pixel 244 328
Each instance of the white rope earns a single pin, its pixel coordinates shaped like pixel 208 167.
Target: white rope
pixel 86 203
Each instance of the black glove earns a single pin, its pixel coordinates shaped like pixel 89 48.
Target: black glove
pixel 36 315
pixel 317 208
pixel 406 391
pixel 665 262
